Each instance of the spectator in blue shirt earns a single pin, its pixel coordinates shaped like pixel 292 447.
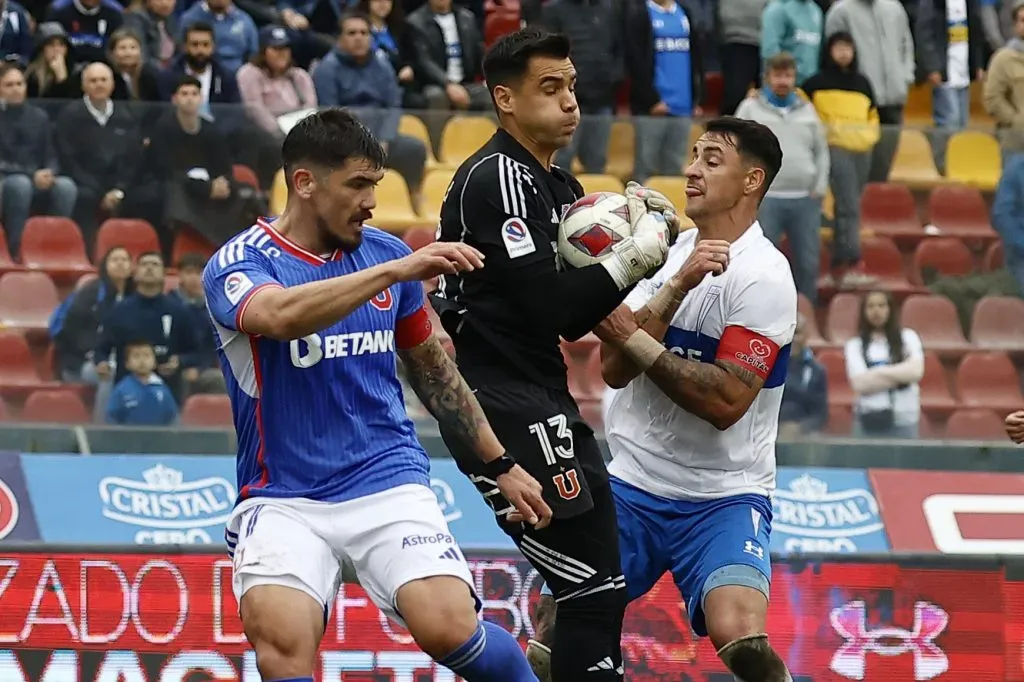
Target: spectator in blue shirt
pixel 355 76
pixel 206 376
pixel 235 33
pixel 805 400
pixel 664 61
pixel 141 398
pixel 15 33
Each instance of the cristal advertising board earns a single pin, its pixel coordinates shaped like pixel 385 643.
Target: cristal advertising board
pixel 171 618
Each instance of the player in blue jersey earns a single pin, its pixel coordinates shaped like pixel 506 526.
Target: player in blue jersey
pixel 312 312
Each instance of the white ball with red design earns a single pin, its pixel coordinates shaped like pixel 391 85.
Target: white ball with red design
pixel 591 227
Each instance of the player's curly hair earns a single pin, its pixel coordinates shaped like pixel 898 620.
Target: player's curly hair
pixel 329 138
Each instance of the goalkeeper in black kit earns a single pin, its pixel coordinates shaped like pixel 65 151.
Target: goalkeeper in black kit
pixel 506 321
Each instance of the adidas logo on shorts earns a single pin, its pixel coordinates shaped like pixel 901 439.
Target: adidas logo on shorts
pixel 450 553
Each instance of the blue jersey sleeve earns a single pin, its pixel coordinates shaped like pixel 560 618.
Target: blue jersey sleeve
pixel 231 278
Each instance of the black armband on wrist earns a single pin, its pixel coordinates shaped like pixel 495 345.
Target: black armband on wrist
pixel 499 466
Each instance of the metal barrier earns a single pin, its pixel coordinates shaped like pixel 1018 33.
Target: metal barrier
pixel 167 614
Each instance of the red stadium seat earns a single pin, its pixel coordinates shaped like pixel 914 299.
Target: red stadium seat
pixel 994 258
pixel 17 368
pixel 245 175
pixel 55 406
pixel 504 19
pixel 989 379
pixel 187 240
pixel 936 398
pixel 975 424
pixel 883 260
pixel 959 211
pixel 54 245
pixel 136 236
pixel 998 323
pixel 843 317
pixel 207 411
pixel 6 262
pixel 887 209
pixel 839 391
pixel 840 420
pixel 935 320
pixel 945 255
pixel 813 335
pixel 26 300
pixel 418 237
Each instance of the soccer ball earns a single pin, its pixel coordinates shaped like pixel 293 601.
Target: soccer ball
pixel 591 227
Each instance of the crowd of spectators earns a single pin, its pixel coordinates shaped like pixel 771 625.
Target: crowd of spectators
pixel 141 110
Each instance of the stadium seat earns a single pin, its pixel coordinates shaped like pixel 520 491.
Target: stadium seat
pixel 936 398
pixel 973 158
pixel 998 324
pixel 462 136
pixel 418 237
pixel 621 150
pixel 500 23
pixel 394 207
pixel 207 411
pixel 187 240
pixel 413 126
pixel 887 209
pixel 975 424
pixel 600 183
pixel 135 236
pixel 278 193
pixel 55 406
pixel 942 255
pixel 674 187
pixel 17 368
pixel 811 332
pixel 883 260
pixel 26 301
pixel 843 317
pixel 989 379
pixel 54 245
pixel 914 163
pixel 245 175
pixel 919 105
pixel 834 362
pixel 959 211
pixel 994 258
pixel 6 262
pixel 435 187
pixel 935 320
pixel 840 420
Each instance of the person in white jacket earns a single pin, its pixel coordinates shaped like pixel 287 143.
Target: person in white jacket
pixel 884 363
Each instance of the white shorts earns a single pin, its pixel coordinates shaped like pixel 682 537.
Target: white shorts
pixel 390 538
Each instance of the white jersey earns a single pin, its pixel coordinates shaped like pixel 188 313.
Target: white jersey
pixel 747 314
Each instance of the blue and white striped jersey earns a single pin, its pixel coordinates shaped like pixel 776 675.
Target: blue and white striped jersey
pixel 322 417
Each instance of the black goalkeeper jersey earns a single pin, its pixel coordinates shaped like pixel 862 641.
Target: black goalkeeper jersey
pixel 506 204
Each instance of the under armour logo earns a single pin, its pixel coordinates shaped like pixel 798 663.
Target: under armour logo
pixel 850 622
pixel 605 664
pixel 750 547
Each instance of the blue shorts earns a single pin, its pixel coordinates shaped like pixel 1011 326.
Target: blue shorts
pixel 704 544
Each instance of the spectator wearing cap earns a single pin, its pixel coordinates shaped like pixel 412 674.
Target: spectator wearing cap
pixel 594 28
pixel 271 85
pixel 15 33
pixel 739 38
pixel 89 25
pixel 234 31
pixel 156 26
pixel 664 59
pixel 28 162
pixel 353 75
pixel 1004 86
pixel 52 72
pixel 793 26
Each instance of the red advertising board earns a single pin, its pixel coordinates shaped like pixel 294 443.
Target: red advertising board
pixel 952 513
pixel 172 618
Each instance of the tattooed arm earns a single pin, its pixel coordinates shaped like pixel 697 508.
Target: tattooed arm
pixel 436 380
pixel 718 393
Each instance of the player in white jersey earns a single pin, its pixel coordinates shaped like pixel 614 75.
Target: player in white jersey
pixel 701 363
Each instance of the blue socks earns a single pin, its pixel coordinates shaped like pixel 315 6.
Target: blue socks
pixel 490 655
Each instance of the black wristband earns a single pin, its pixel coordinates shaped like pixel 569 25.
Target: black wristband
pixel 499 466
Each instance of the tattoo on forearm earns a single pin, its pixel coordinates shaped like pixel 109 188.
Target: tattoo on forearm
pixel 749 379
pixel 436 380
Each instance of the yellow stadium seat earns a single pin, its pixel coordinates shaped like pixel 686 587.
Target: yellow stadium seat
pixel 394 207
pixel 696 130
pixel 979 116
pixel 973 158
pixel 414 127
pixel 918 108
pixel 435 185
pixel 828 205
pixel 601 183
pixel 463 136
pixel 914 164
pixel 278 193
pixel 621 150
pixel 674 187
